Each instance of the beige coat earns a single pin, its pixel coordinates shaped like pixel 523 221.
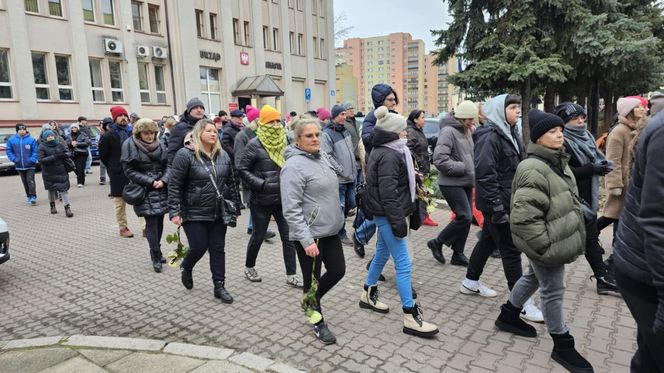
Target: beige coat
pixel 618 152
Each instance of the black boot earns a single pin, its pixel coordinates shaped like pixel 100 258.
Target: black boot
pixel 436 248
pixel 606 285
pixel 509 321
pixel 567 356
pixel 459 259
pixel 381 277
pixel 358 247
pixel 53 209
pixel 221 292
pixel 156 260
pixel 68 211
pixel 186 278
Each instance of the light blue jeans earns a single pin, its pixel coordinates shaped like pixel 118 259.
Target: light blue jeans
pixel 88 161
pixel 387 244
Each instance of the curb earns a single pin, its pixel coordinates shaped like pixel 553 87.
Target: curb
pixel 245 359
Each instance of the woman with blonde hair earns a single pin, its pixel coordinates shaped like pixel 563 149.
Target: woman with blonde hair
pixel 203 199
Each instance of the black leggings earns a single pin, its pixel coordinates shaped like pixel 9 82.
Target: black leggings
pixel 154 228
pixel 594 250
pixel 79 161
pixel 332 255
pixel 204 236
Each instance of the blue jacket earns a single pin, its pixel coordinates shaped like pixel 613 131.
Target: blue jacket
pixel 22 150
pixel 379 93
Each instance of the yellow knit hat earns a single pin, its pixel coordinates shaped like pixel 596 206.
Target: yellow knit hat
pixel 268 114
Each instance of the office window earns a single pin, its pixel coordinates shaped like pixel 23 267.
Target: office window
pixel 143 85
pixel 314 7
pixel 96 80
pixel 65 87
pixel 299 5
pixel 236 31
pixel 210 89
pixel 32 6
pixel 153 17
pixel 300 40
pixel 290 3
pixel 88 11
pixel 41 76
pixel 323 53
pixel 107 11
pixel 315 47
pixel 213 26
pixel 55 8
pixel 200 31
pixel 247 35
pixel 266 37
pixel 291 40
pixel 136 15
pixel 5 76
pixel 275 39
pixel 115 72
pixel 160 87
pixel 321 8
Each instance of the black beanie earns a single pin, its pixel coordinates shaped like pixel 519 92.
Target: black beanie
pixel 541 122
pixel 194 102
pixel 20 126
pixel 569 110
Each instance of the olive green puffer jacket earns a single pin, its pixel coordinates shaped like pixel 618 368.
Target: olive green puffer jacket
pixel 546 220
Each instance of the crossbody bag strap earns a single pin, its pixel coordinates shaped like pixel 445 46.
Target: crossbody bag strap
pixel 207 169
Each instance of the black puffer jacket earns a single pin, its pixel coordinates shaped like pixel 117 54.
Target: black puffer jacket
pixel 419 147
pixel 82 143
pixel 178 132
pixel 260 173
pixel 144 169
pixel 52 160
pixel 191 194
pixel 230 130
pixel 388 192
pixel 110 151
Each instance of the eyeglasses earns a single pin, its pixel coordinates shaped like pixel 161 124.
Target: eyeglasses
pixel 391 99
pixel 311 135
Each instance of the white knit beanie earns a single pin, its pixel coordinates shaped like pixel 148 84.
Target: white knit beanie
pixel 390 122
pixel 625 105
pixel 466 110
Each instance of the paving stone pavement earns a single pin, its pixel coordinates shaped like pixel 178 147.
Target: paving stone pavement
pixel 77 276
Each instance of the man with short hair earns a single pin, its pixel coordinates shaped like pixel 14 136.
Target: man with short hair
pixel 230 130
pixel 133 118
pixel 194 111
pixel 22 150
pixel 83 125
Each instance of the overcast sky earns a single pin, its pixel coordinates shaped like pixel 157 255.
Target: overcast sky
pixel 381 17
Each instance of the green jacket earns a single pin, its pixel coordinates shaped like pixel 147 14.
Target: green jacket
pixel 546 220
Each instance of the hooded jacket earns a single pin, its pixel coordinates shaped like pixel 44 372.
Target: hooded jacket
pixel 310 196
pixel 546 221
pixel 379 93
pixel 453 155
pixel 419 147
pixel 54 173
pixel 22 150
pixel 337 144
pixel 497 153
pixel 178 132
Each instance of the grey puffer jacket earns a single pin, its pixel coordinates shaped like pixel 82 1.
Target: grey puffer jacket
pixel 336 142
pixel 453 155
pixel 144 169
pixel 310 196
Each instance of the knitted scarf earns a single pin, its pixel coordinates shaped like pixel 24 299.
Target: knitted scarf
pixel 146 147
pixel 401 146
pixel 122 131
pixel 273 140
pixel 582 147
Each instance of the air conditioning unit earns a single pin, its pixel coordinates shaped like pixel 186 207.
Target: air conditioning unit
pixel 159 52
pixel 142 51
pixel 113 46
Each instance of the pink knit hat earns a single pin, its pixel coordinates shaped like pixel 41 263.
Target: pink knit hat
pixel 644 101
pixel 252 113
pixel 323 114
pixel 626 105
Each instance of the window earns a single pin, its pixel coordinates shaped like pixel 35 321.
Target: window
pixel 299 44
pixel 299 5
pixel 143 85
pixel 236 31
pixel 210 89
pixel 5 76
pixel 88 11
pixel 322 48
pixel 65 87
pixel 290 3
pixel 107 11
pixel 291 39
pixel 321 9
pixel 96 80
pixel 315 47
pixel 213 26
pixel 314 8
pixel 41 77
pixel 136 15
pixel 55 8
pixel 32 6
pixel 200 26
pixel 247 40
pixel 275 39
pixel 266 37
pixel 115 71
pixel 159 84
pixel 153 17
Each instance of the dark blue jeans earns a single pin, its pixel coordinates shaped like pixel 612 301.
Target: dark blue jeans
pixel 347 198
pixel 204 236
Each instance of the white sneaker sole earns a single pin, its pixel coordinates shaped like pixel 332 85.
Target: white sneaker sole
pixel 532 319
pixel 465 290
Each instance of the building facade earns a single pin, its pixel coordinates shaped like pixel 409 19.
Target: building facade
pixel 440 95
pixel 63 58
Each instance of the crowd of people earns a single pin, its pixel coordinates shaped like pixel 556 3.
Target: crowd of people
pixel 312 171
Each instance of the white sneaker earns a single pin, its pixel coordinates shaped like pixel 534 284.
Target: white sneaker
pixel 80 186
pixel 294 281
pixel 251 274
pixel 531 313
pixel 479 289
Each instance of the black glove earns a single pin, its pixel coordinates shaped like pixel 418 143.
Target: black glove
pixel 500 218
pixel 602 169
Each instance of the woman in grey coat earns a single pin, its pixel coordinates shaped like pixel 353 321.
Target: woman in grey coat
pixel 310 202
pixel 453 157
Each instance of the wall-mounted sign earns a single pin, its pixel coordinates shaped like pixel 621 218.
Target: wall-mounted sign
pixel 272 65
pixel 244 58
pixel 233 106
pixel 215 56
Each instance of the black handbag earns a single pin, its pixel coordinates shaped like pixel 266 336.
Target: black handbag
pixel 133 193
pixel 417 217
pixel 70 166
